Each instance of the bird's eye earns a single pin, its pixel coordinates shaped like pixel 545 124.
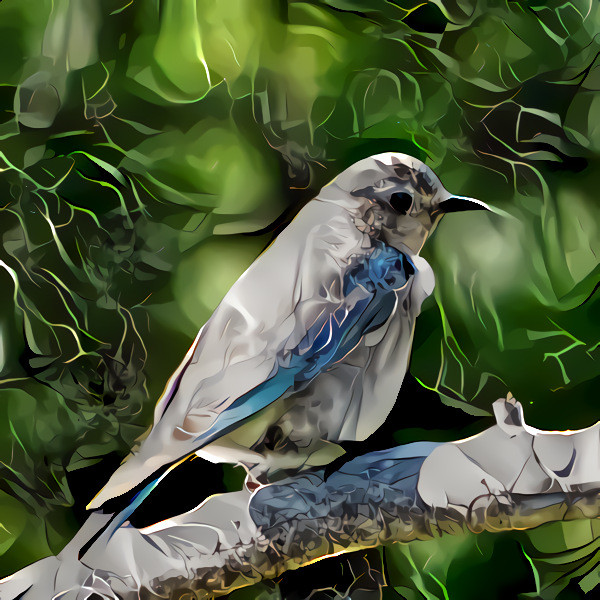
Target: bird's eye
pixel 401 202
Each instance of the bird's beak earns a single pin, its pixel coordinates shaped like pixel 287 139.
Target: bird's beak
pixel 460 203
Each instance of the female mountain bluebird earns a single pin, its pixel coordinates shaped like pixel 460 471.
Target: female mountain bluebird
pixel 310 346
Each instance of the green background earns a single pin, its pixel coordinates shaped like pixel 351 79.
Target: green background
pixel 150 148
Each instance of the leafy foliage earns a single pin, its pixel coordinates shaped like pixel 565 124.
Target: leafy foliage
pixel 149 150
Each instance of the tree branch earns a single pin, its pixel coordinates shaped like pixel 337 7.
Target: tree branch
pixel 511 476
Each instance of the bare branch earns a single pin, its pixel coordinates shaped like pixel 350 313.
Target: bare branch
pixel 511 476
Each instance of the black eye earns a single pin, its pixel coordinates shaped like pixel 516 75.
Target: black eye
pixel 401 202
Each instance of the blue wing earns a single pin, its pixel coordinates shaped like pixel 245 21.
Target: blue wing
pixel 326 342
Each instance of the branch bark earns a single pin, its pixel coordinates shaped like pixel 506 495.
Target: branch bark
pixel 510 476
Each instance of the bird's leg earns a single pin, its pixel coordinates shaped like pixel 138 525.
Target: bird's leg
pixel 253 481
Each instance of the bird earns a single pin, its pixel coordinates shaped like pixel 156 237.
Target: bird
pixel 309 347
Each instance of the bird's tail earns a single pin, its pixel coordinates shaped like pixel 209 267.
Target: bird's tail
pixel 116 519
pixel 113 521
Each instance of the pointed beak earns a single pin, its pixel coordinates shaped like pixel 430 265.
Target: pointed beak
pixel 460 203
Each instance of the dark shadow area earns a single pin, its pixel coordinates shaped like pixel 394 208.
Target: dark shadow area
pixel 180 491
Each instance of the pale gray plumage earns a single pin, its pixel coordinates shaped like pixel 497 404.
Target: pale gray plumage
pixel 297 287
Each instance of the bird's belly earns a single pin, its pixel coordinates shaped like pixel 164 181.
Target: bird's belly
pixel 240 445
pixel 384 375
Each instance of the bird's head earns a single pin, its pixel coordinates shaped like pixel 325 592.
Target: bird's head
pixel 399 197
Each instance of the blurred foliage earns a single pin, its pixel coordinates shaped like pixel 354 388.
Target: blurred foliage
pixel 150 148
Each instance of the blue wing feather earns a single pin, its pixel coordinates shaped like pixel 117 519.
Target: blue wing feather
pixel 384 271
